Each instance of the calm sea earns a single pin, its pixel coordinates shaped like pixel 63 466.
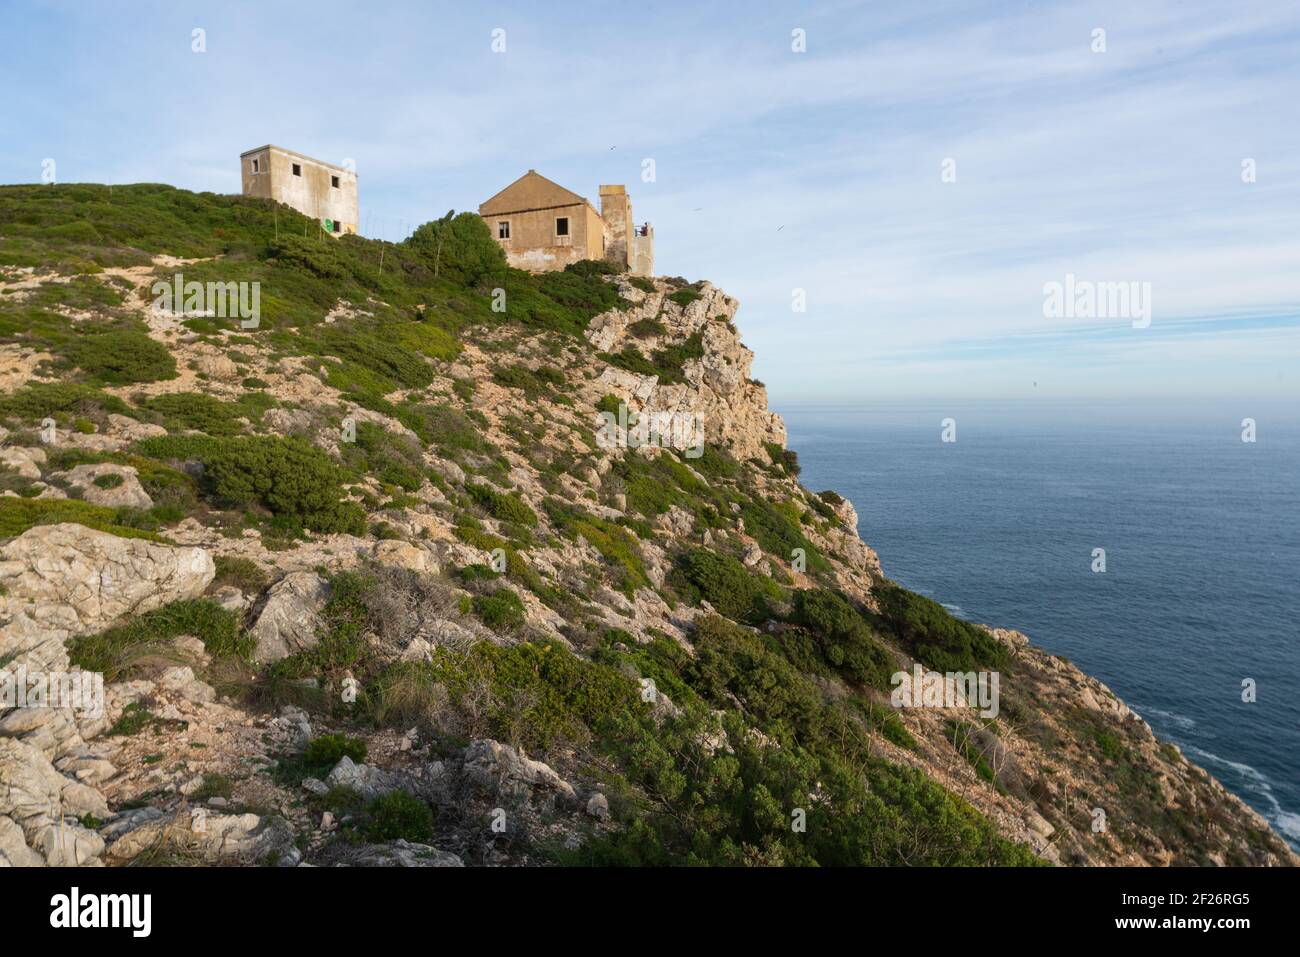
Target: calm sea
pixel 1201 533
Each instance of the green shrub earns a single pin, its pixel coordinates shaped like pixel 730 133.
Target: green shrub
pixel 327 750
pixel 732 589
pixel 288 476
pixel 647 328
pixel 616 545
pixel 846 641
pixel 242 573
pixel 533 382
pixel 501 610
pixel 933 636
pixel 776 527
pixel 459 247
pixel 17 515
pixel 786 459
pixel 193 410
pixel 684 297
pixel 507 506
pixel 45 399
pixel 398 815
pixel 108 480
pixel 120 357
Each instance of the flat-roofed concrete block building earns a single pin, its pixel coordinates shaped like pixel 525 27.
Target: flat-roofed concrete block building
pixel 320 190
pixel 542 226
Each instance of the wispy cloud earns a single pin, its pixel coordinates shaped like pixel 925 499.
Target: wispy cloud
pixel 776 170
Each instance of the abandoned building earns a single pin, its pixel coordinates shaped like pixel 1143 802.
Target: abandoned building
pixel 543 226
pixel 322 191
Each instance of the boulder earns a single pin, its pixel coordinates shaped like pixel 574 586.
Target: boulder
pixel 103 483
pixel 498 769
pixel 402 853
pixel 289 616
pixel 198 832
pixel 366 779
pixel 128 428
pixel 405 555
pixel 75 579
pixel 26 462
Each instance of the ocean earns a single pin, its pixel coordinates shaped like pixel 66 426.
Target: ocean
pixel 1201 533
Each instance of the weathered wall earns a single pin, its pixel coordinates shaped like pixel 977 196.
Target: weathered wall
pixel 534 245
pixel 641 258
pixel 616 211
pixel 311 194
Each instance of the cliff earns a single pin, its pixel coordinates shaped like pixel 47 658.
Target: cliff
pixel 434 562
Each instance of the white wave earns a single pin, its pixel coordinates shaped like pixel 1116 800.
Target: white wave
pixel 1179 721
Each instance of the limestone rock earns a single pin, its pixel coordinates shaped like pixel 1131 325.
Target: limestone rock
pixel 127 493
pixel 289 616
pixel 213 837
pixel 26 462
pixel 499 769
pixel 366 779
pixel 405 555
pixel 76 579
pixel 598 807
pixel 402 853
pixel 128 428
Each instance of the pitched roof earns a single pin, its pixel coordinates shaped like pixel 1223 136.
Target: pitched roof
pixel 530 191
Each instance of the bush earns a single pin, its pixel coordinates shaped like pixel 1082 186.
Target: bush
pixel 399 816
pixel 17 515
pixel 732 589
pixel 933 636
pixel 501 610
pixel 287 476
pixel 45 399
pixel 243 573
pixel 786 459
pixel 119 357
pixel 328 749
pixel 193 410
pixel 459 247
pixel 616 545
pixel 846 641
pixel 506 506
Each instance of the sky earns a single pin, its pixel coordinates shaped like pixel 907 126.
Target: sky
pixel 914 175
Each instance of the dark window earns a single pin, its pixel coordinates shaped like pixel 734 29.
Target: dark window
pixel 503 230
pixel 562 226
pixel 334 182
pixel 297 170
pixel 255 169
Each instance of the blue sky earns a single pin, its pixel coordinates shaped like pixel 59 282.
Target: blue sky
pixel 775 170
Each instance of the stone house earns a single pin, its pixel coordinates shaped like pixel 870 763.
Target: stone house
pixel 542 226
pixel 319 190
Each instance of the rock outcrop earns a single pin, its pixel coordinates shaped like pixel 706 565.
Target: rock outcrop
pixel 61 581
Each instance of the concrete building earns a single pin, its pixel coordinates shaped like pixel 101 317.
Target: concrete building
pixel 543 226
pixel 322 191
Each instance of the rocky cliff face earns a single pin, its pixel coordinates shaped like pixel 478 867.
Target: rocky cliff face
pixel 459 627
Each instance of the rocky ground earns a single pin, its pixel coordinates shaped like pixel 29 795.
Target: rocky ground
pixel 190 763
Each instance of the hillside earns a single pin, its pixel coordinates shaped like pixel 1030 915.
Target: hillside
pixel 366 585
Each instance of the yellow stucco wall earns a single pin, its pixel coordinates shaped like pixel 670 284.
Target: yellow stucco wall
pixel 311 193
pixel 531 205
